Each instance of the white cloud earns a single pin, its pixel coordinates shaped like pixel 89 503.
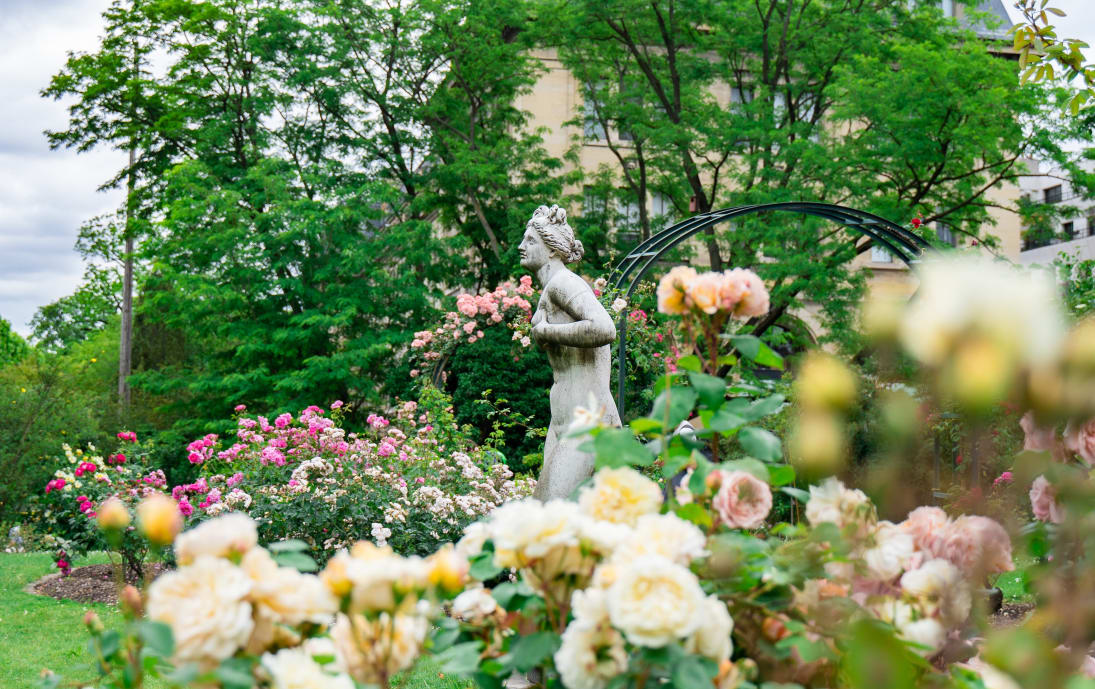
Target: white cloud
pixel 44 195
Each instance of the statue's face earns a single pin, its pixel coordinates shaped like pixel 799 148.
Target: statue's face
pixel 534 253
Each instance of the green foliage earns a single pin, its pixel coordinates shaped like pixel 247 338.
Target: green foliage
pixel 12 347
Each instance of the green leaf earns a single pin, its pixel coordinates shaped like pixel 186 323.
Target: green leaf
pixel 673 405
pixel 796 493
pixel 711 389
pixel 752 347
pixel 695 514
pixel 530 651
pixel 616 447
pixel 235 673
pixel 689 362
pixel 483 567
pixel 759 443
pixel 748 465
pixel 157 637
pixel 296 560
pixel 461 659
pixel 703 467
pixel 693 672
pixel 109 643
pixel 291 545
pixel 645 425
pixel 781 474
pixel 724 421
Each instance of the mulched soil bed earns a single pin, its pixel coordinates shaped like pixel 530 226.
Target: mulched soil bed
pixel 1011 614
pixel 91 584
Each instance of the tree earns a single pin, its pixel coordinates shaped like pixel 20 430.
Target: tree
pixel 12 347
pixel 1042 52
pixel 871 104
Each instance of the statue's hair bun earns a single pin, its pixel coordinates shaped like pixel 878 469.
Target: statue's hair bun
pixel 552 225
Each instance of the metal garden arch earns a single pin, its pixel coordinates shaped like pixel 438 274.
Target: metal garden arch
pixel 630 271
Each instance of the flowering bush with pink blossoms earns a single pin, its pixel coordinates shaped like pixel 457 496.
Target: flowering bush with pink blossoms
pixel 411 481
pixel 68 509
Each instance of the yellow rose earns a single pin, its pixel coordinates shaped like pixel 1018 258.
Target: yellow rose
pixel 620 496
pixel 672 289
pixel 447 570
pixel 113 516
pixel 824 382
pixel 159 519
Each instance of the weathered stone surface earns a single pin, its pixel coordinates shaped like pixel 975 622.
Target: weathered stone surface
pixel 575 332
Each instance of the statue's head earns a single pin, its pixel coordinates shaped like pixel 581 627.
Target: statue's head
pixel 548 236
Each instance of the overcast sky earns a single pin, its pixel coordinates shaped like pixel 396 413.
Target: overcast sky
pixel 45 195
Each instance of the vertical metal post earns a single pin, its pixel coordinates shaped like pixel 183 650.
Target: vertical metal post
pixel 621 357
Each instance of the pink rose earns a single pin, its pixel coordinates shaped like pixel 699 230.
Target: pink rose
pixel 1035 437
pixel 1043 501
pixel 978 545
pixel 743 500
pixel 928 527
pixel 1081 440
pixel 751 293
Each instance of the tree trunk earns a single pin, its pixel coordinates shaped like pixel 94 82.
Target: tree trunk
pixel 125 346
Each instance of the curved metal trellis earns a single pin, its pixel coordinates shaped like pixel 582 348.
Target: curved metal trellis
pixel 630 271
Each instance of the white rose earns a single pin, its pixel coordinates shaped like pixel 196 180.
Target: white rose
pixel 891 554
pixel 666 535
pixel 589 605
pixel 285 595
pixel 475 535
pixel 232 534
pixel 474 606
pixel 590 655
pixel 620 495
pixel 712 639
pixel 294 668
pixel 990 676
pixel 926 632
pixel 619 304
pixel 832 502
pixel 655 602
pixel 205 604
pixel 893 611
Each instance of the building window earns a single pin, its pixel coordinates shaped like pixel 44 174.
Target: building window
pixel 1068 229
pixel 945 234
pixel 879 254
pixel 661 208
pixel 1091 225
pixel 591 128
pixel 592 202
pixel 1053 194
pixel 628 215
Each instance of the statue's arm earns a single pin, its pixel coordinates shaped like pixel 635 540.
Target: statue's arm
pixel 592 326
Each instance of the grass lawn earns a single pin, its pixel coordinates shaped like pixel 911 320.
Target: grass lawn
pixel 37 632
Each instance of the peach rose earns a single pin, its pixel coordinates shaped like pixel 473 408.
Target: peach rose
pixel 1081 440
pixel 743 500
pixel 1043 501
pixel 754 295
pixel 672 289
pixel 731 289
pixel 703 292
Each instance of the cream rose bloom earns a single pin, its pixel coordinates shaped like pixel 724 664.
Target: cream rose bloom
pixel 712 639
pixel 655 602
pixel 474 606
pixel 703 292
pixel 753 300
pixel 832 502
pixel 666 535
pixel 528 529
pixel 928 527
pixel 590 605
pixel 941 588
pixel 475 535
pixel 231 535
pixel 285 595
pixel 892 552
pixel 368 649
pixel 743 500
pixel 620 496
pixel 205 604
pixel 294 668
pixel 926 632
pixel 590 655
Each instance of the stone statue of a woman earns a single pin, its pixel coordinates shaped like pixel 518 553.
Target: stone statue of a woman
pixel 575 331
